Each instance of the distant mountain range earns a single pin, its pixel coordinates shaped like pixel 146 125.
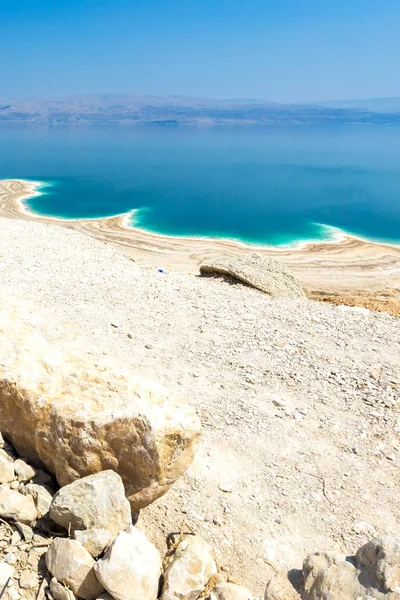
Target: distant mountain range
pixel 130 109
pixel 383 105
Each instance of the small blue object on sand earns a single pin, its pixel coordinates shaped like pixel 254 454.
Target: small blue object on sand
pixel 162 271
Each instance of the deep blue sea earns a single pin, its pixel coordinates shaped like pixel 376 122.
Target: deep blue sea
pixel 260 185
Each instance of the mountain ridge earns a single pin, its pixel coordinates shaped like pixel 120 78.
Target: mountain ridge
pixel 134 109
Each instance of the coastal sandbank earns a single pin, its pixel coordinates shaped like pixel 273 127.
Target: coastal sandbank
pixel 350 270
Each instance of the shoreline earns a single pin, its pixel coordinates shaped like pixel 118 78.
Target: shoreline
pixel 337 237
pixel 350 267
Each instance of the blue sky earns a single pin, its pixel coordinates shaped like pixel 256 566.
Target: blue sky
pixel 283 50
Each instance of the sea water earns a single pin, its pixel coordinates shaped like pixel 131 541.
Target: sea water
pixel 263 185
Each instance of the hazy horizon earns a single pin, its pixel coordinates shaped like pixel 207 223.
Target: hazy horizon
pixel 221 99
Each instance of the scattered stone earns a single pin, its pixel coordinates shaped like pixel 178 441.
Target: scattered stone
pixel 72 565
pixel 135 427
pixel 6 573
pixel 94 540
pixel 23 471
pixel 13 593
pixel 1 441
pixel 261 272
pixel 7 473
pixel 17 507
pixel 225 487
pixel 97 501
pixel 188 570
pixel 15 538
pixel 131 568
pixel 230 591
pixel 279 402
pixel 41 496
pixel 382 557
pixel 281 587
pixel 11 558
pixel 28 580
pixel 374 573
pixel 27 532
pixel 60 592
pixel 363 527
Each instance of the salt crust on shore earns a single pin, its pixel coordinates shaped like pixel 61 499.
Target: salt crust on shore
pixel 299 400
pixel 367 273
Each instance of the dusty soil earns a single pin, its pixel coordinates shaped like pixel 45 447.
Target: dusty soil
pixel 299 399
pixel 392 307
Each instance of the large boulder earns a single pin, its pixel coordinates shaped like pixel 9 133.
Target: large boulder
pixel 373 573
pixel 131 568
pixel 188 570
pixel 79 418
pixel 96 501
pixel 255 270
pixel 381 557
pixel 72 565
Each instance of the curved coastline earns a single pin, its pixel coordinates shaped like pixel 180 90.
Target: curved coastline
pixel 343 266
pixel 335 235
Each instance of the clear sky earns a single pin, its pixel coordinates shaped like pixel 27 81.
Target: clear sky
pixel 283 50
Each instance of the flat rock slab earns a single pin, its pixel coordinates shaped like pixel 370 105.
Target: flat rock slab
pixel 260 272
pixel 77 418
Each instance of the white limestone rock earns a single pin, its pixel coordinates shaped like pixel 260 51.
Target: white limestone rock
pixel 60 592
pixel 27 532
pixel 131 568
pixel 382 557
pixel 23 471
pixel 97 501
pixel 6 573
pixel 28 580
pixel 16 506
pixel 189 570
pixel 94 540
pixel 7 474
pixel 72 565
pixel 261 272
pixel 41 496
pixel 78 418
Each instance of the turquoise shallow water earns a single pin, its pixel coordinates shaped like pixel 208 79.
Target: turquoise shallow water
pixel 261 185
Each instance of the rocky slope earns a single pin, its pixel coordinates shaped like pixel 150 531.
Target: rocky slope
pixel 298 400
pixel 80 542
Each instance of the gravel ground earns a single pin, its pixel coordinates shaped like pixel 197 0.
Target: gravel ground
pixel 299 400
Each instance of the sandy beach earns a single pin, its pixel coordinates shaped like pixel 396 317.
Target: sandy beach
pixel 351 270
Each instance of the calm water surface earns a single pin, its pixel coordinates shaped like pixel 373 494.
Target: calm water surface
pixel 262 185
